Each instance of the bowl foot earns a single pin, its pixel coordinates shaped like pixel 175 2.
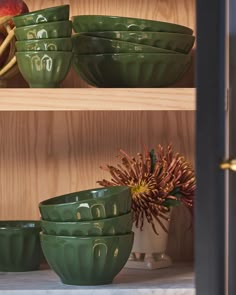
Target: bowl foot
pixel 87 283
pixel 46 85
pixel 18 269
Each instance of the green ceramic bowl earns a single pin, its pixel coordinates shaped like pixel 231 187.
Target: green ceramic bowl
pixel 181 43
pixel 118 225
pixel 52 14
pixel 62 29
pixel 59 44
pixel 95 23
pixel 20 248
pixel 44 69
pixel 131 70
pixel 83 44
pixel 91 204
pixel 87 260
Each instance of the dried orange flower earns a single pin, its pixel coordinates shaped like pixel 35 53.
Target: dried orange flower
pixel 158 181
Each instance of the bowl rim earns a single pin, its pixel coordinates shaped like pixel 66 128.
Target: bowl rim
pixel 115 41
pixel 44 52
pixel 130 18
pixel 88 222
pixel 17 228
pixel 136 32
pixel 42 24
pixel 43 205
pixel 43 40
pixel 35 12
pixel 130 234
pixel 136 54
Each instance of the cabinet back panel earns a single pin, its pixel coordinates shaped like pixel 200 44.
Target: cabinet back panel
pixel 44 154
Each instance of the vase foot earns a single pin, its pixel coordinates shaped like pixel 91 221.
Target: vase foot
pixel 148 261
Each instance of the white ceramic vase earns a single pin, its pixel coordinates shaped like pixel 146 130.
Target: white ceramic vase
pixel 149 249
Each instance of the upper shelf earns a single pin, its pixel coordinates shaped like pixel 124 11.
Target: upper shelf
pixel 92 99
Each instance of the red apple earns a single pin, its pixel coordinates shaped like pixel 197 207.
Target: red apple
pixel 12 7
pixel 9 8
pixel 4 56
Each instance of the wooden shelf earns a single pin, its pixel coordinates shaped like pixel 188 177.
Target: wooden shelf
pixel 176 280
pixel 86 99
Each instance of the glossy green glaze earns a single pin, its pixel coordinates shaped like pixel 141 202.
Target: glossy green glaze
pixel 59 44
pixel 131 70
pixel 83 44
pixel 44 69
pixel 118 225
pixel 181 43
pixel 94 23
pixel 87 260
pixel 62 29
pixel 52 14
pixel 20 248
pixel 91 204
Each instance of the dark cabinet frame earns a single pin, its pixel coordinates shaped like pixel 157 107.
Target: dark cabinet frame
pixel 210 246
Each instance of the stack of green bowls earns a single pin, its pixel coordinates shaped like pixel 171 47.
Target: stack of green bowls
pixel 44 46
pixel 20 248
pixel 111 51
pixel 86 236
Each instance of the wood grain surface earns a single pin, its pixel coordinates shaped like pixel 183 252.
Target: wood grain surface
pixel 97 99
pixel 44 154
pixel 176 11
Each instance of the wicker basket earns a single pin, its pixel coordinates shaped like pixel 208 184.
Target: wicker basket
pixel 9 68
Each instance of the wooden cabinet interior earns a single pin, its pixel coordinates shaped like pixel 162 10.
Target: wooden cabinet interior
pixel 44 154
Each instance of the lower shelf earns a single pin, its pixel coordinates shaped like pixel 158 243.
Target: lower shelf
pixel 176 280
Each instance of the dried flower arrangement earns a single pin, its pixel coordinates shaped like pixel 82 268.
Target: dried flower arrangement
pixel 158 181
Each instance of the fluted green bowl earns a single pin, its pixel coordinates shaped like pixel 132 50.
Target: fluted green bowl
pixel 181 43
pixel 20 248
pixel 95 23
pixel 118 225
pixel 58 44
pixel 51 14
pixel 44 69
pixel 83 44
pixel 86 205
pixel 87 260
pixel 61 29
pixel 131 69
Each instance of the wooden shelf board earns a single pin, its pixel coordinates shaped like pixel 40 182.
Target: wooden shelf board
pixel 86 99
pixel 176 280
